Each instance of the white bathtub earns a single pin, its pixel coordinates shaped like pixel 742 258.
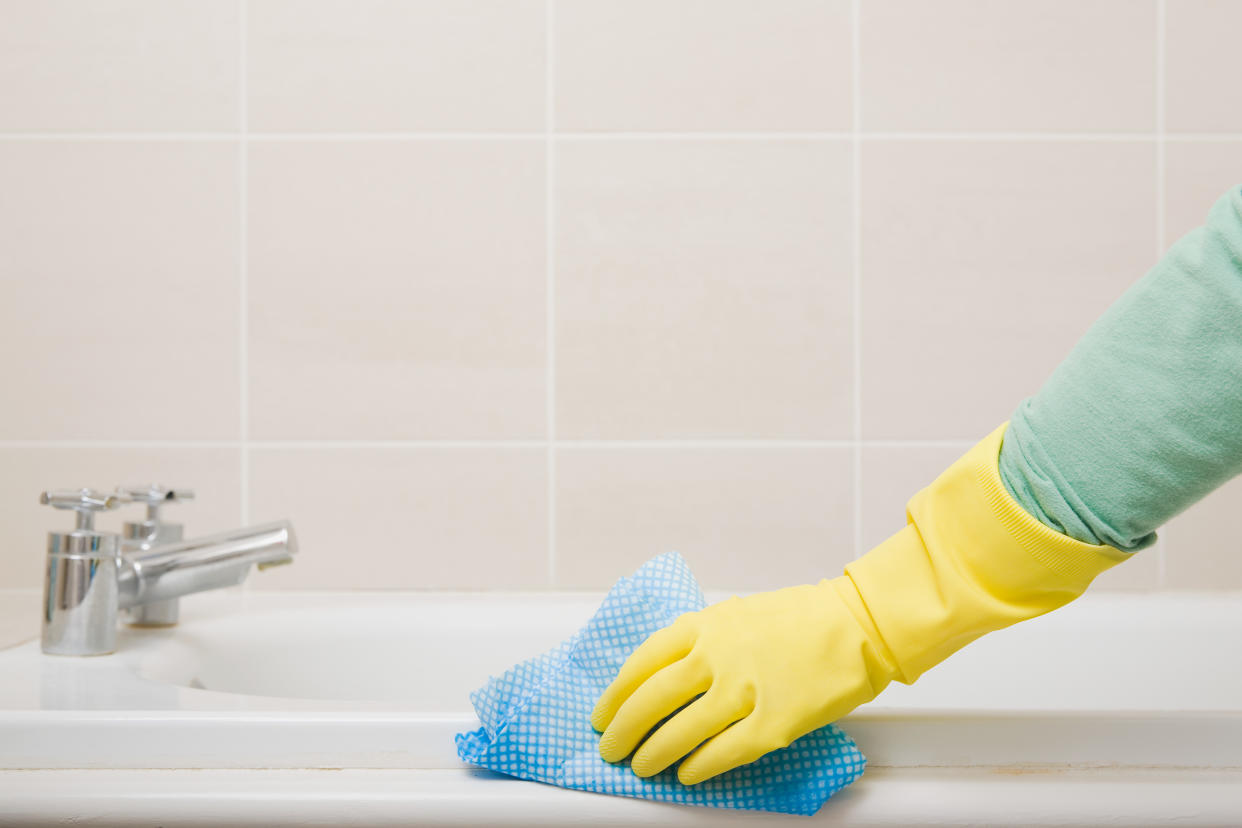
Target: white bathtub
pixel 281 708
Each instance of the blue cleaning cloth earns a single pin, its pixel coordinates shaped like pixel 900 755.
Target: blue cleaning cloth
pixel 537 716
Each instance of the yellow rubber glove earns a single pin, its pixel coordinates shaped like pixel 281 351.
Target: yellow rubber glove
pixel 758 672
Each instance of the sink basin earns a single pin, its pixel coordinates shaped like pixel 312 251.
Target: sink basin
pixel 382 680
pixel 424 652
pixel 334 708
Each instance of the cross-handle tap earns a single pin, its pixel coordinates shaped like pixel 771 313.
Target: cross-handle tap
pixel 92 575
pixel 86 502
pixel 154 495
pixel 140 537
pixel 80 579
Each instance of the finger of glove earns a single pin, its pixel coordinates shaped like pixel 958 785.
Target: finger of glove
pixel 741 744
pixel 684 732
pixel 662 648
pixel 657 698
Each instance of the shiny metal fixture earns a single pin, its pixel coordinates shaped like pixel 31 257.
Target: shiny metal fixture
pixel 92 575
pixel 80 579
pixel 139 537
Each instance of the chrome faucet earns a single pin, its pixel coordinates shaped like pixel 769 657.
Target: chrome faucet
pixel 92 575
pixel 139 538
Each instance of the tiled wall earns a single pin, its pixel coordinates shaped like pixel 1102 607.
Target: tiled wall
pixel 517 293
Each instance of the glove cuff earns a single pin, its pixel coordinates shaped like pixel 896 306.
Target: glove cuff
pixel 971 560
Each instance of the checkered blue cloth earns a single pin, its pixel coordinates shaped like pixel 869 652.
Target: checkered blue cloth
pixel 536 717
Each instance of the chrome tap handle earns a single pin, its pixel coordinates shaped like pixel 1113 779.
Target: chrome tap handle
pixel 154 496
pixel 143 538
pixel 86 502
pixel 80 577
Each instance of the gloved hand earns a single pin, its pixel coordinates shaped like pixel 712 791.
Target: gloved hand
pixel 779 664
pixel 773 666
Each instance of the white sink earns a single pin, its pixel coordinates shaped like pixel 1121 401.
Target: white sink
pixel 406 652
pixel 381 680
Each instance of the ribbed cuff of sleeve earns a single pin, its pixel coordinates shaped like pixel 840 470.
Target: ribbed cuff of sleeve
pixel 1069 557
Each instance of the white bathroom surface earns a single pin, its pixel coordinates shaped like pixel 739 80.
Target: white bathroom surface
pixel 19 617
pixel 889 797
pixel 293 682
pixel 412 651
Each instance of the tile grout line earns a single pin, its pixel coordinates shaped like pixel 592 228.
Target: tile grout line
pixel 856 275
pixel 244 259
pixel 1162 550
pixel 549 217
pixel 1160 126
pixel 851 136
pixel 565 445
pixel 1003 136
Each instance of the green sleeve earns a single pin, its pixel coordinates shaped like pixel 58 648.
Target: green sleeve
pixel 1144 417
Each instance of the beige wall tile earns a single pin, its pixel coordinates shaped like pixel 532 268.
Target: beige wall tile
pixel 213 473
pixel 743 518
pixel 703 289
pixel 983 65
pixel 983 263
pixel 397 290
pixel 119 65
pixel 121 306
pixel 1203 549
pixel 703 65
pixel 1202 59
pixel 1197 175
pixel 383 518
pixel 357 65
pixel 891 476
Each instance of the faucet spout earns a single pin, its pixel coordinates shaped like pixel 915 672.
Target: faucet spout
pixel 169 570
